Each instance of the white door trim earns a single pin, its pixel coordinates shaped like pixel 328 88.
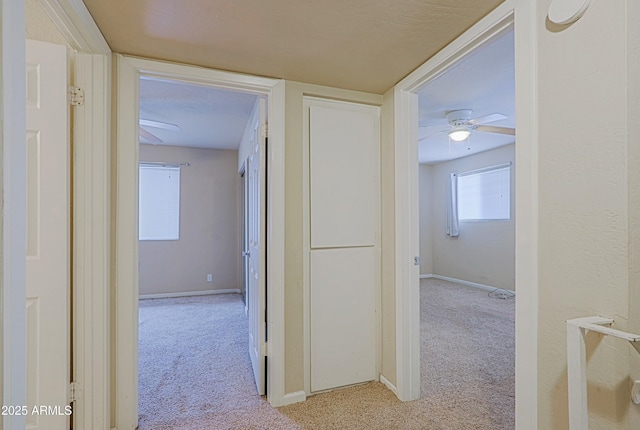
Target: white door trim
pixel 77 26
pixel 91 242
pixel 527 210
pixel 129 69
pixel 406 186
pixel 13 233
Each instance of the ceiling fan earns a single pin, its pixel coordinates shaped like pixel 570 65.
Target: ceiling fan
pixel 147 137
pixel 461 125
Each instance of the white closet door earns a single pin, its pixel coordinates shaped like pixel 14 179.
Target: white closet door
pixel 344 260
pixel 344 170
pixel 343 317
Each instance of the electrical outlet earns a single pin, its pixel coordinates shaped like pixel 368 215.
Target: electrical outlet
pixel 209 277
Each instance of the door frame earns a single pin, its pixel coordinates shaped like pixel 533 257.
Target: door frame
pixel 91 212
pixel 90 272
pixel 125 314
pixel 522 15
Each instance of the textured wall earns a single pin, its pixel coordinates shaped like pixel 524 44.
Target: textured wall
pixel 583 179
pixel 633 174
pixel 210 225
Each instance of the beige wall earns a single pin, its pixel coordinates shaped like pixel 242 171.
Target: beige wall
pixel 633 175
pixel 484 252
pixel 210 225
pixel 388 239
pixel 587 141
pixel 294 340
pixel 425 221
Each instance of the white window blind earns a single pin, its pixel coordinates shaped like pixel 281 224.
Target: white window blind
pixel 485 194
pixel 159 202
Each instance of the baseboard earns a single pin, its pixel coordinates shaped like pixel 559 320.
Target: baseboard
pixel 296 397
pixel 467 283
pixel 426 276
pixel 187 294
pixel 389 385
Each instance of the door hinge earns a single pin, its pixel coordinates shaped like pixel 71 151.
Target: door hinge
pixel 76 96
pixel 74 391
pixel 264 349
pixel 265 129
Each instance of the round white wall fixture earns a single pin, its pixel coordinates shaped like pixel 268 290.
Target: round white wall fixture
pixel 635 392
pixel 567 11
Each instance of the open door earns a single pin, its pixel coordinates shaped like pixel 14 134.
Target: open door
pixel 48 257
pixel 256 294
pixel 245 236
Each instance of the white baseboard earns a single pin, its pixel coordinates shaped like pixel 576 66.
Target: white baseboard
pixel 426 276
pixel 389 385
pixel 467 283
pixel 187 294
pixel 296 397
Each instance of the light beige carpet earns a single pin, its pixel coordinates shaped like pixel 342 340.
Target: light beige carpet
pixel 195 371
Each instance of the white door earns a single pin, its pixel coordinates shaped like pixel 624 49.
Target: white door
pixel 256 297
pixel 344 248
pixel 245 237
pixel 48 261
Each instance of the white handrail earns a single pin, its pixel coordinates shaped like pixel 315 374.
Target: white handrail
pixel 577 363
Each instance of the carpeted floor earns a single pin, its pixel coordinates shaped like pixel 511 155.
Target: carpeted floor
pixel 195 371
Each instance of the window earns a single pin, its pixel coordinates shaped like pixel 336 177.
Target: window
pixel 159 202
pixel 485 194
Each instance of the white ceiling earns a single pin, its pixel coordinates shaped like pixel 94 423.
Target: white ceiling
pixel 208 117
pixel 483 81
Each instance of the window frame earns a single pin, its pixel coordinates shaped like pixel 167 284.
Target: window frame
pixel 503 166
pixel 174 231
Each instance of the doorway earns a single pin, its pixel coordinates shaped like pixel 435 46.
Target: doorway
pixel 189 234
pixel 467 235
pixel 126 312
pixel 407 246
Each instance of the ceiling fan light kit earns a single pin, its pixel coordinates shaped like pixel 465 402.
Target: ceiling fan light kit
pixel 459 120
pixel 459 133
pixel 462 125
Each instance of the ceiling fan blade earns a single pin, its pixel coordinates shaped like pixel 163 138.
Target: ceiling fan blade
pixel 432 134
pixel 159 124
pixel 149 137
pixel 430 130
pixel 487 118
pixel 494 129
pixel 432 122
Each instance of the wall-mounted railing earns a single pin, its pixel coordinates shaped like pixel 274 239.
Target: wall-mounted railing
pixel 577 363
